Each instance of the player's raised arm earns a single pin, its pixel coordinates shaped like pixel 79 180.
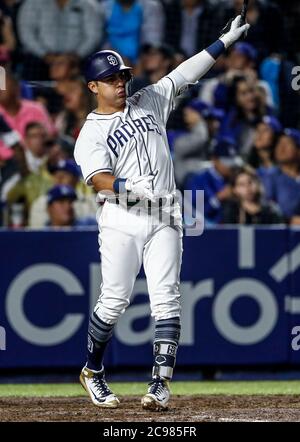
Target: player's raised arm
pixel 197 66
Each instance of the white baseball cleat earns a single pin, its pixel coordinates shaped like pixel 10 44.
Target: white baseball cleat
pixel 158 395
pixel 95 384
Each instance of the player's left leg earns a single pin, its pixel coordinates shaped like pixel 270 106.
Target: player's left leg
pixel 162 262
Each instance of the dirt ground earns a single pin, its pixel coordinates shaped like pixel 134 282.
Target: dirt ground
pixel 217 408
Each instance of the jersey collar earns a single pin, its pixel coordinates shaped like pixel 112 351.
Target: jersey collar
pixel 96 115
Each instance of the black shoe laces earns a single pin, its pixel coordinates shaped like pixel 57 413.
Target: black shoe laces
pixel 157 386
pixel 101 385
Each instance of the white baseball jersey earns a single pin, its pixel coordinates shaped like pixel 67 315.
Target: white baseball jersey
pixel 129 144
pixel 134 142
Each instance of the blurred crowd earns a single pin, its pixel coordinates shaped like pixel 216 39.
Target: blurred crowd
pixel 235 134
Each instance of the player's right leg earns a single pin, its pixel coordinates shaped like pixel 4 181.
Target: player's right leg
pixel 162 261
pixel 121 240
pixel 92 376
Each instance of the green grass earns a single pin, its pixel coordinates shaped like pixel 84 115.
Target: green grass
pixel 139 388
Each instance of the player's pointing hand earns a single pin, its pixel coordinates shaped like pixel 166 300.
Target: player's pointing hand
pixel 141 186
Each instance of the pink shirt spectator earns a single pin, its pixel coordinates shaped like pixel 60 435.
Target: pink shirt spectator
pixel 30 111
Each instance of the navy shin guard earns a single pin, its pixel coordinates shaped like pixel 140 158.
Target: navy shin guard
pixel 99 334
pixel 167 334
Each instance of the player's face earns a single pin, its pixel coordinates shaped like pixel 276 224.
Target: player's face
pixel 111 91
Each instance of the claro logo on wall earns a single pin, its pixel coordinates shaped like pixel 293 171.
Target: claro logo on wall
pixel 191 295
pixel 221 302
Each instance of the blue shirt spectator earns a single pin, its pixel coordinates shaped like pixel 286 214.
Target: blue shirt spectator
pixel 123 27
pixel 285 191
pixel 284 185
pixel 215 180
pixel 246 110
pixel 60 199
pixel 261 156
pixel 191 148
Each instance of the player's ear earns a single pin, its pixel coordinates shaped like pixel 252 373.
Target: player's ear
pixel 93 87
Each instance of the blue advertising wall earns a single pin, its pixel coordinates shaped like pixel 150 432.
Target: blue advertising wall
pixel 240 292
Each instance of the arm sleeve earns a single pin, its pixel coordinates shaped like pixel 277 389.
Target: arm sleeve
pixel 160 96
pixel 197 66
pixel 27 22
pixel 91 154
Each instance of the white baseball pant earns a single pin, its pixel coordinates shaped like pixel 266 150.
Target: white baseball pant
pixel 127 239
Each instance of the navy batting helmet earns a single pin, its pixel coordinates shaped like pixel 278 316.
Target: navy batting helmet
pixel 103 64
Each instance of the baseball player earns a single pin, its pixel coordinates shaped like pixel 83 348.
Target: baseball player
pixel 123 153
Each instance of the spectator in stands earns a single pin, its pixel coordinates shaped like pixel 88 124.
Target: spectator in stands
pixel 153 27
pixel 60 148
pixel 295 220
pixel 267 33
pixel 17 112
pixel 12 165
pixel 156 61
pixel 277 72
pixel 48 28
pixel 215 181
pixel 60 206
pixel 35 147
pixel 60 203
pixel 10 9
pixel 284 187
pixel 191 148
pixel 63 69
pixel 124 19
pixel 246 205
pixel 261 156
pixel 247 107
pixel 36 180
pixel 65 173
pixel 191 25
pixel 241 61
pixel 291 13
pixel 7 170
pixel 78 103
pixel 130 23
pixel 7 36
